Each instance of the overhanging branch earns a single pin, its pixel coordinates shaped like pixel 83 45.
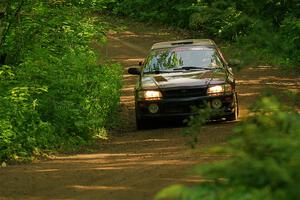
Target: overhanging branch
pixel 7 28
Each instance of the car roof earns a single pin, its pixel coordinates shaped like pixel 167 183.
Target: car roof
pixel 188 42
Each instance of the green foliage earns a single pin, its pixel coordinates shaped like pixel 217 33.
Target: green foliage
pixel 290 33
pixel 196 122
pixel 264 164
pixel 22 131
pixel 267 30
pixel 220 19
pixel 53 92
pixel 150 10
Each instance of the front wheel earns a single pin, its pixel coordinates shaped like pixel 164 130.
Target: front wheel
pixel 234 116
pixel 141 123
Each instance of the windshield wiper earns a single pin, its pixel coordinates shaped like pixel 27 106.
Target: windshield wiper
pixel 193 67
pixel 196 68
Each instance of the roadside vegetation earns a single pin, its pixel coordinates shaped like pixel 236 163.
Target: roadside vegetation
pixel 260 32
pixel 53 93
pixel 263 159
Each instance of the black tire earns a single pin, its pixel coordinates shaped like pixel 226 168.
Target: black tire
pixel 234 116
pixel 141 123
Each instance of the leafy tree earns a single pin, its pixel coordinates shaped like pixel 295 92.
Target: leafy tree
pixel 53 92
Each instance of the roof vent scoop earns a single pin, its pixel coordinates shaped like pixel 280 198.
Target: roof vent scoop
pixel 182 43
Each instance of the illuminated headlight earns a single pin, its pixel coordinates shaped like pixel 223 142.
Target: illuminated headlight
pixel 150 95
pixel 219 89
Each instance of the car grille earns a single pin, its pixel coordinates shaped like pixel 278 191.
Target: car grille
pixel 181 93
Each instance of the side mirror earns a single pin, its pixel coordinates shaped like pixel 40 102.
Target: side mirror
pixel 141 63
pixel 134 71
pixel 234 62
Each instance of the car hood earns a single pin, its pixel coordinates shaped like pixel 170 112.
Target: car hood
pixel 183 79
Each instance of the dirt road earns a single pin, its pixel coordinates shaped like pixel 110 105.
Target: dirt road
pixel 134 165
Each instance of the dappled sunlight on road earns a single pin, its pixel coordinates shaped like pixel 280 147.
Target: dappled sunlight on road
pixel 249 94
pixel 122 166
pixel 47 170
pixel 127 100
pixel 82 187
pixel 252 82
pixel 139 141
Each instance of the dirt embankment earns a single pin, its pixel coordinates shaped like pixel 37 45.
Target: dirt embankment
pixel 134 165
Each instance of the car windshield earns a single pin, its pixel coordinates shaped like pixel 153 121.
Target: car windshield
pixel 182 58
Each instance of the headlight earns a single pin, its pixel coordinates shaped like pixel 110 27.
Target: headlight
pixel 150 95
pixel 219 89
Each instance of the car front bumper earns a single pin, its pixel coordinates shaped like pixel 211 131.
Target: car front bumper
pixel 184 107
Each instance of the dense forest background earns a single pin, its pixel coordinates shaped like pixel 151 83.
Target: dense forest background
pixel 266 30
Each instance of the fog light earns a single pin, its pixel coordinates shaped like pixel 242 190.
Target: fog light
pixel 153 108
pixel 216 103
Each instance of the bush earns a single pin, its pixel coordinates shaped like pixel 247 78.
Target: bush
pixel 264 163
pixel 22 132
pixel 290 35
pixel 53 92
